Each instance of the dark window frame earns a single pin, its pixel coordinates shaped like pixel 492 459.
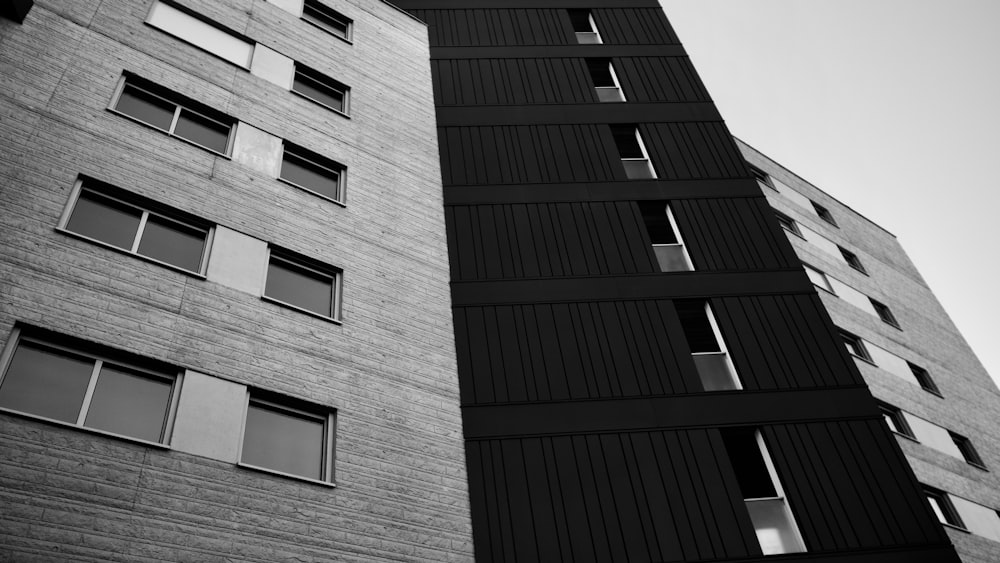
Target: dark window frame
pixel 852 260
pixel 296 152
pixel 761 177
pixel 591 28
pixel 292 261
pixel 941 499
pixel 923 378
pixel 320 15
pixel 824 214
pixel 895 414
pixel 969 452
pixel 325 84
pixel 788 224
pixel 853 342
pixel 885 313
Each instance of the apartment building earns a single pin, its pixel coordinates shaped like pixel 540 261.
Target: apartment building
pixel 935 396
pixel 225 308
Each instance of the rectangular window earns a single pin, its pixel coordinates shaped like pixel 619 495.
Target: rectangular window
pixel 924 379
pixel 708 349
pixel 852 260
pixel 633 153
pixel 855 346
pixel 321 89
pixel 602 72
pixel 895 420
pixel 788 223
pixel 328 19
pixel 942 507
pixel 824 213
pixel 884 313
pixel 288 437
pixel 298 282
pixel 174 114
pixel 763 496
pixel 310 171
pixel 968 451
pixel 63 380
pixel 818 278
pixel 762 178
pixel 201 33
pixel 105 214
pixel 668 246
pixel 584 27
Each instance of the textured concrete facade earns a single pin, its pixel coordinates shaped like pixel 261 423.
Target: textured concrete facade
pixel 387 368
pixel 969 401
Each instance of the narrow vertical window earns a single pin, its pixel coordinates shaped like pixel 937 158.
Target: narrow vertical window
pixel 942 507
pixel 708 349
pixel 884 313
pixel 762 178
pixel 855 346
pixel 924 379
pixel 852 260
pixel 602 72
pixel 763 495
pixel 788 223
pixel 969 452
pixel 633 153
pixel 818 278
pixel 584 27
pixel 895 420
pixel 668 246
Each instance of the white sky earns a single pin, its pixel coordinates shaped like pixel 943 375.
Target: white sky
pixel 891 106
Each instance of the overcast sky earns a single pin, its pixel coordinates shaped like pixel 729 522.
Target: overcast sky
pixel 891 106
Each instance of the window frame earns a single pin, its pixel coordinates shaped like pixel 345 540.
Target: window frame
pixel 327 13
pixel 885 314
pixel 788 224
pixel 824 214
pixel 614 79
pixel 894 414
pixel 325 83
pixel 67 345
pixel 297 151
pixel 642 149
pixel 296 407
pixel 761 177
pixel 924 379
pixel 180 103
pixel 147 208
pixel 592 32
pixel 723 350
pixel 828 287
pixel 850 338
pixel 969 452
pixel 852 260
pixel 942 508
pixel 295 260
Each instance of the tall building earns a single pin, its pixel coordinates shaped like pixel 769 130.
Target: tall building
pixel 934 394
pixel 229 333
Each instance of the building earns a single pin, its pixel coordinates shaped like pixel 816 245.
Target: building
pixel 933 392
pixel 230 213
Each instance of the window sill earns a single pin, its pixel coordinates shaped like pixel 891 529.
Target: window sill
pixel 978 466
pixel 224 155
pixel 88 429
pixel 312 192
pixel 142 257
pixel 343 114
pixel 865 360
pixel 349 41
pixel 301 310
pixel 954 527
pixel 286 475
pixel 907 436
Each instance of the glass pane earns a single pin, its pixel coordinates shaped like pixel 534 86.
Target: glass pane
pixel 748 463
pixel 610 95
pixel 715 372
pixel 284 441
pixel 671 258
pixel 312 176
pixel 654 215
pixel 319 91
pixel 697 328
pixel 775 529
pixel 580 19
pixel 45 382
pixel 129 404
pixel 588 38
pixel 600 72
pixel 337 26
pixel 173 243
pixel 206 132
pixel 146 107
pixel 105 220
pixel 638 170
pixel 627 141
pixel 299 287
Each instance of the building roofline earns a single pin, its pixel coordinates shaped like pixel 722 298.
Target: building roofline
pixel 855 211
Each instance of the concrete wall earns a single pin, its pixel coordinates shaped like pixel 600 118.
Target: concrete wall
pixel 388 370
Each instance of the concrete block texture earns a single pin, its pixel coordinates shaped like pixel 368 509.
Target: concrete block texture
pixel 389 370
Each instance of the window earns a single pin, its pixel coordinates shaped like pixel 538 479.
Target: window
pixel 663 233
pixel 174 114
pixel 884 313
pixel 288 437
pixel 824 213
pixel 104 214
pixel 633 153
pixel 852 260
pixel 855 346
pixel 584 27
pixel 708 350
pixel 762 178
pixel 602 72
pixel 788 223
pixel 895 420
pixel 312 172
pixel 762 493
pixel 942 507
pixel 63 380
pixel 328 19
pixel 303 284
pixel 924 379
pixel 968 451
pixel 321 89
pixel 201 33
pixel 818 278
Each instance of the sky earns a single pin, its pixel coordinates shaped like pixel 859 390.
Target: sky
pixel 891 106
